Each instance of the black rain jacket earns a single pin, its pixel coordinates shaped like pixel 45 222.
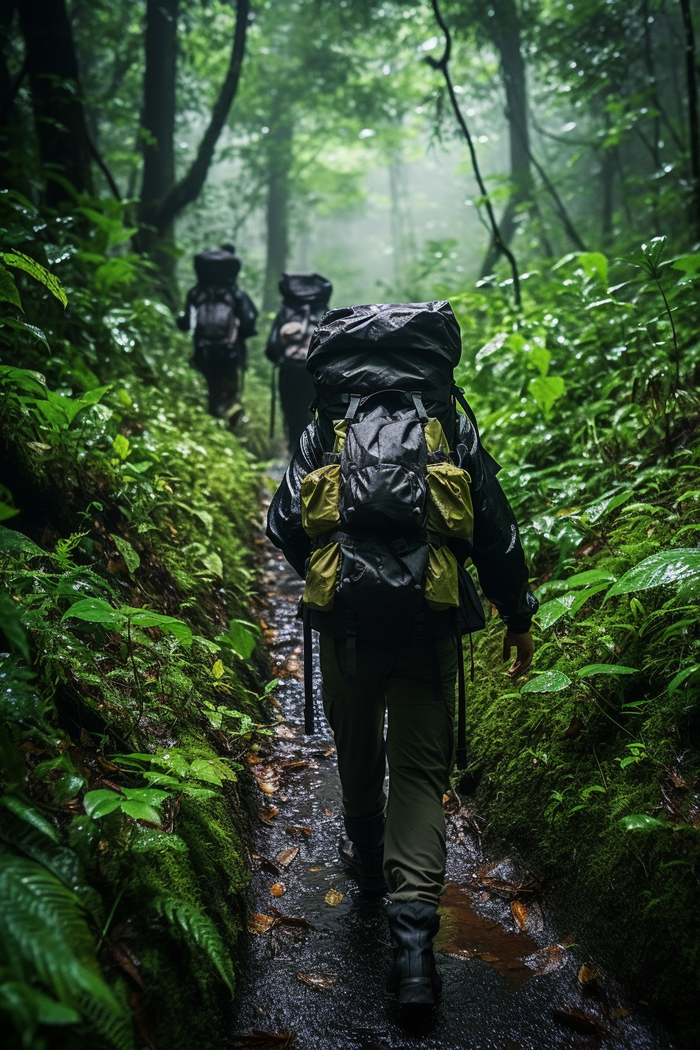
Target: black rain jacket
pixel 496 550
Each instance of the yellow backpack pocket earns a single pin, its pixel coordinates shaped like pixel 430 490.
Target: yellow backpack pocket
pixel 441 579
pixel 322 576
pixel 320 498
pixel 450 510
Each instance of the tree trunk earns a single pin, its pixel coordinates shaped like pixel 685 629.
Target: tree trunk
pixel 693 124
pixel 158 123
pixel 279 144
pixel 64 146
pixel 608 168
pixel 505 30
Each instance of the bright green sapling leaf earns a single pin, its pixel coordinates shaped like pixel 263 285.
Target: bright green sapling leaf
pixel 610 669
pixel 666 567
pixel 547 682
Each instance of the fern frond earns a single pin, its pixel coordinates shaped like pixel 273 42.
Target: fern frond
pixel 199 931
pixel 45 939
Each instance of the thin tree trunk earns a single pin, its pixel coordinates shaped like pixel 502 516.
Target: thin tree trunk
pixel 607 174
pixel 59 116
pixel 190 186
pixel 693 124
pixel 158 123
pixel 506 36
pixel 279 143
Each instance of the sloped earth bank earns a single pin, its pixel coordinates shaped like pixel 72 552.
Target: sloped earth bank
pixel 319 955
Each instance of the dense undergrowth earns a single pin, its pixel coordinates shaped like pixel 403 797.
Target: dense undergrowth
pixel 129 681
pixel 589 399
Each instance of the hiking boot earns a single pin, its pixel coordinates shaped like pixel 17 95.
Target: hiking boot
pixel 361 852
pixel 414 978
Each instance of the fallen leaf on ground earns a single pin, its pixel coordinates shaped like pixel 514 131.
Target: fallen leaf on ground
pixel 490 958
pixel 302 764
pixel 508 878
pixel 267 813
pixel 285 857
pixel 321 868
pixel 277 889
pixel 261 923
pixel 296 830
pixel 284 731
pixel 268 786
pixel 587 975
pixel 256 1040
pixel 291 921
pixel 263 625
pixel 546 960
pixel 581 1021
pixel 519 912
pixel 576 726
pixel 328 752
pixel 318 980
pixel 292 668
pixel 333 897
pixel 618 1012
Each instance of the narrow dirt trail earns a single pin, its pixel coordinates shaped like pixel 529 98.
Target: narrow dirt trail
pixel 319 954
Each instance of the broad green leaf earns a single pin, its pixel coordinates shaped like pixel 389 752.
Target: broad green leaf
pixel 7 511
pixel 150 796
pixel 214 563
pixel 22 326
pixel 100 803
pixel 95 610
pixel 27 812
pixel 584 579
pixel 594 264
pixel 642 822
pixel 689 264
pixel 597 510
pixel 546 390
pixel 548 682
pixel 678 680
pixel 24 262
pixel 23 379
pixel 168 624
pixel 666 567
pixel 12 626
pixel 203 770
pixel 583 596
pixel 241 637
pixel 8 288
pixel 141 811
pixel 121 446
pixel 550 612
pixel 610 669
pixel 218 669
pixel 17 543
pixel 130 556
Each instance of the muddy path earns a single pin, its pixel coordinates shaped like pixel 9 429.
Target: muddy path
pixel 319 955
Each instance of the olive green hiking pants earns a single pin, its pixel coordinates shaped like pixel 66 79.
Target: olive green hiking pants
pixel 398 678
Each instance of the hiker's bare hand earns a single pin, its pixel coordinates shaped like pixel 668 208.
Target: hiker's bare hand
pixel 525 649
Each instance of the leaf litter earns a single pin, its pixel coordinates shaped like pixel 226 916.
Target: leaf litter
pixel 319 981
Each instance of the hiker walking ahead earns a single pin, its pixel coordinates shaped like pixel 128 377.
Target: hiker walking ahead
pixel 305 298
pixel 222 316
pixel 388 495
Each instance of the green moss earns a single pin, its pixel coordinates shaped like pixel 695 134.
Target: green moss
pixel 555 780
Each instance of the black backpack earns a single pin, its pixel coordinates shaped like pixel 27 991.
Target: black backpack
pixel 217 324
pixel 305 298
pixel 390 492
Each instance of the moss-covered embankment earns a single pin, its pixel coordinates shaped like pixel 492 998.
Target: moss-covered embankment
pixel 592 767
pixel 131 684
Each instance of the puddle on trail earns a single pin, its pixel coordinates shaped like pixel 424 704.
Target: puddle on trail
pixel 318 955
pixel 465 933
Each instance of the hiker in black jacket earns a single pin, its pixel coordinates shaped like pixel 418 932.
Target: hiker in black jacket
pixel 222 317
pixel 388 371
pixel 305 298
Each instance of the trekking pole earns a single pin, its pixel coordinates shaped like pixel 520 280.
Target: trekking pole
pixel 273 401
pixel 461 708
pixel 308 674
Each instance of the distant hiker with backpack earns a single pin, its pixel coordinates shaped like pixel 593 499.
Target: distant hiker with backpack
pixel 388 495
pixel 305 298
pixel 222 316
